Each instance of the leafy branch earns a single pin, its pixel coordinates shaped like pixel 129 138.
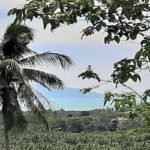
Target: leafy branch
pixel 127 100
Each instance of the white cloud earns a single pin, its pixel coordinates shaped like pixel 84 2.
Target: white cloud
pixel 67 39
pixel 6 5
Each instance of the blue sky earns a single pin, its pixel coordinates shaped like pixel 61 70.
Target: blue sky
pixel 72 99
pixel 89 51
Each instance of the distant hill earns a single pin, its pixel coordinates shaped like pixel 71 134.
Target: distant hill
pixel 69 93
pixel 72 99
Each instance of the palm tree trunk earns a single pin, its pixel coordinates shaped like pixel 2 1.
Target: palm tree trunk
pixel 12 114
pixel 7 142
pixel 7 110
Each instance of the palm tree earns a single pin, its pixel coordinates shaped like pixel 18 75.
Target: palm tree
pixel 19 67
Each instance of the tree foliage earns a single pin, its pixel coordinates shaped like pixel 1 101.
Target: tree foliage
pixel 120 19
pixel 19 69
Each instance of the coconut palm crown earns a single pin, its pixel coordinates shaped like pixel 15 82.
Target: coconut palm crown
pixel 18 69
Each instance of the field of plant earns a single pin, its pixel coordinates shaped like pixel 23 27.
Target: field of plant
pixel 83 130
pixel 37 138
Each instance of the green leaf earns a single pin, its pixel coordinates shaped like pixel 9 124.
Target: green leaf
pixel 123 102
pixel 117 105
pixel 98 27
pixel 107 97
pixel 89 74
pixel 136 77
pixel 45 21
pixel 133 35
pixel 117 39
pixel 85 90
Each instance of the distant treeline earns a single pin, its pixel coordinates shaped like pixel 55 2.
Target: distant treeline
pixel 93 120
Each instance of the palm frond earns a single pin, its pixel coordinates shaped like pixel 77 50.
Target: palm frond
pixel 25 54
pixel 15 40
pixel 20 32
pixel 47 59
pixel 14 48
pixel 11 109
pixel 32 101
pixel 11 67
pixel 3 81
pixel 47 80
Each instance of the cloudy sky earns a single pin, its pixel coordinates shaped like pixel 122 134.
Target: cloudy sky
pixel 88 51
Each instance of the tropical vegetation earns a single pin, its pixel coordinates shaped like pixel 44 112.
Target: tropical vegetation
pixel 120 20
pixel 20 67
pixel 127 136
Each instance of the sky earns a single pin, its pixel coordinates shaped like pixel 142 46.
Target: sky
pixel 90 50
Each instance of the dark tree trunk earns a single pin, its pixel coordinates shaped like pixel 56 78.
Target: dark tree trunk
pixel 7 142
pixel 8 107
pixel 7 110
pixel 12 114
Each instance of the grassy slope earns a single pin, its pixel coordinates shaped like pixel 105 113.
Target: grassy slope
pixel 37 138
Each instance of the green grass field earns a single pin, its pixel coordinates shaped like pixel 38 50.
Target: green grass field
pixel 37 138
pixel 81 131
